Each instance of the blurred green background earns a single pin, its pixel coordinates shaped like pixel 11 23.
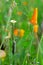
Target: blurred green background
pixel 28 50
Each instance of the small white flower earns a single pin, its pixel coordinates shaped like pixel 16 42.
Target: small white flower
pixel 13 21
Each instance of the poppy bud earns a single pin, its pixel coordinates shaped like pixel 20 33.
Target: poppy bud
pixel 35 28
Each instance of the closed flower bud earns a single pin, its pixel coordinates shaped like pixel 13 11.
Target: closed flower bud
pixel 35 28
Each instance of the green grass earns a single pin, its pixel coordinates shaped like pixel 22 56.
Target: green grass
pixel 29 50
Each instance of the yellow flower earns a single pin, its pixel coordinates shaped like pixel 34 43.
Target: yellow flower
pixel 2 55
pixel 21 33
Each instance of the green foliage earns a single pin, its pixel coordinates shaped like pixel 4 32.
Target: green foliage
pixel 29 50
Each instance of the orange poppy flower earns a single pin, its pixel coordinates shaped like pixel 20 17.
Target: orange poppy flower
pixel 21 33
pixel 25 3
pixel 34 17
pixel 19 13
pixel 35 28
pixel 16 32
